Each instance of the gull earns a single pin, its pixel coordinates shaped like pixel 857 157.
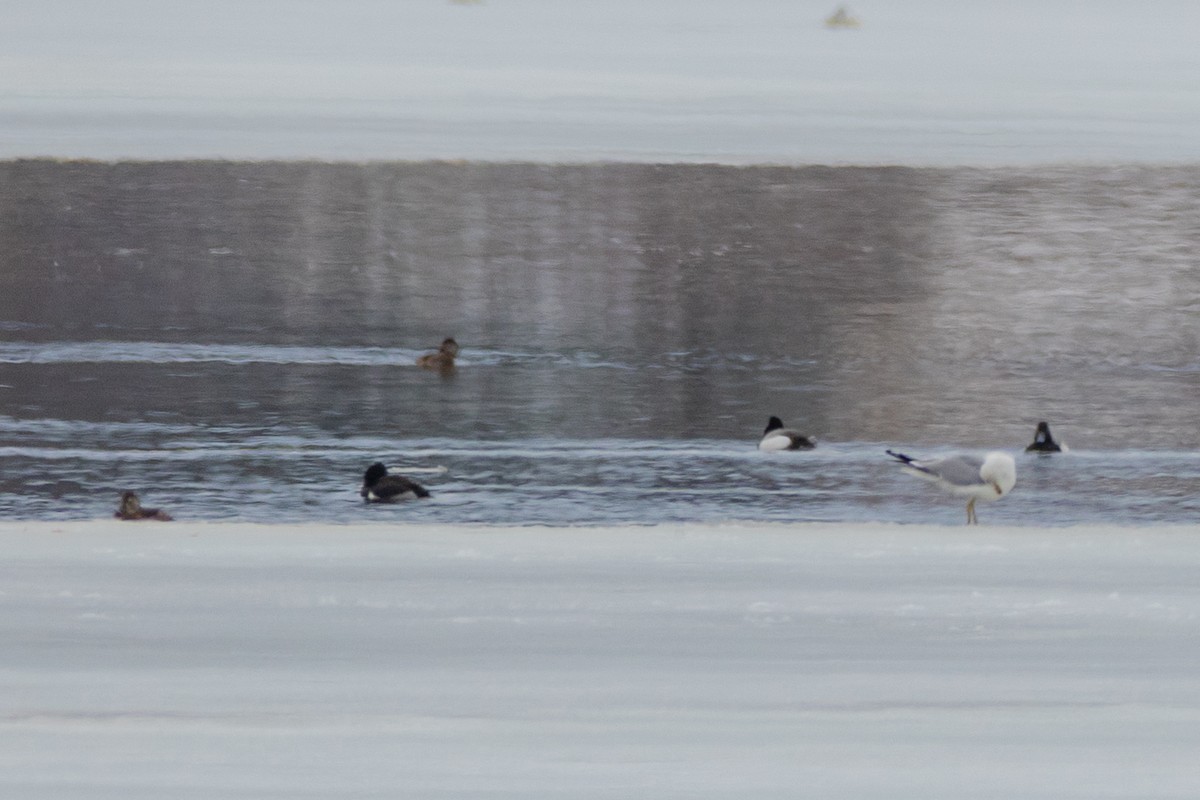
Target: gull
pixel 987 479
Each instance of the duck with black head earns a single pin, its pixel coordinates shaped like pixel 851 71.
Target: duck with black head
pixel 443 359
pixel 777 437
pixel 131 509
pixel 380 487
pixel 1043 442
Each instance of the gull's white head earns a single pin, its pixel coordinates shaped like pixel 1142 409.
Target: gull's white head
pixel 1000 472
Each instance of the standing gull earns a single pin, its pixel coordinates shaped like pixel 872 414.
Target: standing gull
pixel 987 479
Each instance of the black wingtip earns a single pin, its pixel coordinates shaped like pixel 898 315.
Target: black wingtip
pixel 899 456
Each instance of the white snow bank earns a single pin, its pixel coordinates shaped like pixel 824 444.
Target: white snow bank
pixel 151 660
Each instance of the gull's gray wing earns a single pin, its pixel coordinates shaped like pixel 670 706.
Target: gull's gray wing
pixel 960 470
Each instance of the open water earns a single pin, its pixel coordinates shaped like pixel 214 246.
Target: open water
pixel 209 318
pixel 237 339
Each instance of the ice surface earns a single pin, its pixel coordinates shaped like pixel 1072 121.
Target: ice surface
pixel 192 660
pixel 922 82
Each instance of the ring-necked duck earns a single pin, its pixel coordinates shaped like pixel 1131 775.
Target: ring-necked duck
pixel 1043 442
pixel 380 487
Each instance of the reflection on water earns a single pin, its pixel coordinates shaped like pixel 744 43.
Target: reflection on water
pixel 242 336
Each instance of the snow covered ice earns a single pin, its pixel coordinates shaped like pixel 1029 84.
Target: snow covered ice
pixel 231 660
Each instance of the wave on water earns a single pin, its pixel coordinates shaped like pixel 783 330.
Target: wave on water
pixel 163 353
pixel 169 352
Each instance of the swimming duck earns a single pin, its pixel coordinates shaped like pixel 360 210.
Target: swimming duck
pixel 1043 442
pixel 380 487
pixel 443 359
pixel 131 508
pixel 777 437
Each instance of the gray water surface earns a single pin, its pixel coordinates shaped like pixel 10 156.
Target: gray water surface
pixel 237 340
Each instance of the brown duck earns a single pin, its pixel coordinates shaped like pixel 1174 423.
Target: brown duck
pixel 131 508
pixel 443 359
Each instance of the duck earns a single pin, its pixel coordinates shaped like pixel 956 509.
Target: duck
pixel 131 509
pixel 443 359
pixel 1043 442
pixel 777 437
pixel 380 487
